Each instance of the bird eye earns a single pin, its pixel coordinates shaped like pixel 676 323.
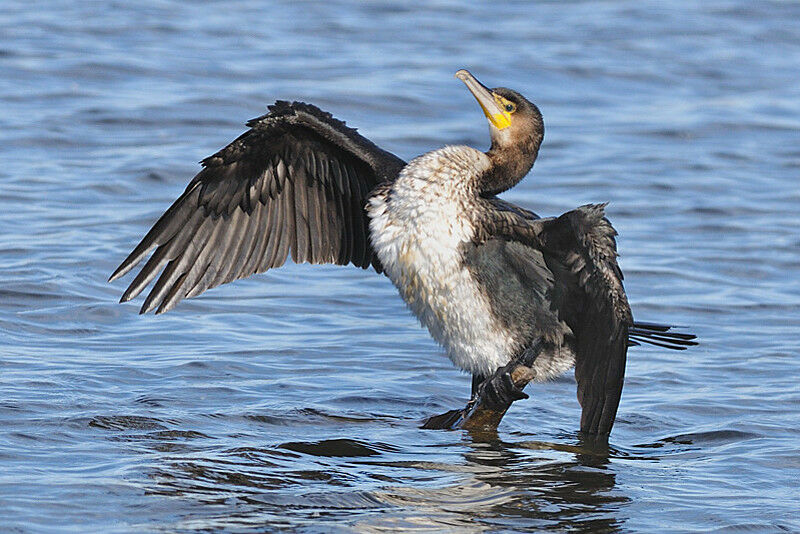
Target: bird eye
pixel 509 107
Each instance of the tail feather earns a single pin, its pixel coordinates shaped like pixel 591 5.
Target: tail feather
pixel 659 335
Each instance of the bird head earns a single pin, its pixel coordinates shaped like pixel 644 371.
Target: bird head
pixel 516 129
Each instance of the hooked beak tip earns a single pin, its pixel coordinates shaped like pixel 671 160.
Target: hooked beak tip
pixel 496 115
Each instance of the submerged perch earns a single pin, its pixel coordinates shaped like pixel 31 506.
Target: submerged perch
pixel 481 413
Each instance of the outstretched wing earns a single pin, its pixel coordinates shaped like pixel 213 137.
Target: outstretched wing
pixel 579 248
pixel 295 182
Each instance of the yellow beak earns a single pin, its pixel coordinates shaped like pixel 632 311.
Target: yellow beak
pixel 499 117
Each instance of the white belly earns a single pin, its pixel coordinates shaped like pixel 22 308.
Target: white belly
pixel 417 230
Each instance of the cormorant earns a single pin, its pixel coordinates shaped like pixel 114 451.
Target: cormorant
pixel 490 280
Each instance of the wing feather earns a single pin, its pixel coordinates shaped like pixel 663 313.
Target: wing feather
pixel 294 184
pixel 245 232
pixel 286 227
pixel 302 252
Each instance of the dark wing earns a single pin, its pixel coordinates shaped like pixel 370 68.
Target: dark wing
pixel 583 241
pixel 498 205
pixel 579 248
pixel 295 182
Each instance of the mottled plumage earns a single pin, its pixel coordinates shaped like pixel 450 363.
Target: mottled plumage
pixel 418 225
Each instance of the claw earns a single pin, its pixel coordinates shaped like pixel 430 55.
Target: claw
pixel 499 391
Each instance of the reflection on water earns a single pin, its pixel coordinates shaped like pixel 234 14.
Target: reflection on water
pixel 527 483
pixel 491 482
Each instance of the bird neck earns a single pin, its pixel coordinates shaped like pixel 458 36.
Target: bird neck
pixel 509 165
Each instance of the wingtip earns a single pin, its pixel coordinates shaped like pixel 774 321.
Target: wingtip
pixel 147 306
pixel 129 263
pixel 129 294
pixel 595 436
pixel 116 274
pixel 166 306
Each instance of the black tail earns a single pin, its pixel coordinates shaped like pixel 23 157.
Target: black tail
pixel 659 335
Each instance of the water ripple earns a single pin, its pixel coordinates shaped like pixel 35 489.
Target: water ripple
pixel 292 400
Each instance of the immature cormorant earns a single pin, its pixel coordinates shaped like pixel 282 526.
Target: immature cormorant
pixel 491 281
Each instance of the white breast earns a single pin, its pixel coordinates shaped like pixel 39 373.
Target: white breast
pixel 418 225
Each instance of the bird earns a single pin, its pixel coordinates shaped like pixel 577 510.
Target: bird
pixel 490 280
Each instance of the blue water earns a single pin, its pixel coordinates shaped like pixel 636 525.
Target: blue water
pixel 292 400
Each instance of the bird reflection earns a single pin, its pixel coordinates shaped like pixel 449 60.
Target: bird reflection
pixel 573 493
pixel 469 482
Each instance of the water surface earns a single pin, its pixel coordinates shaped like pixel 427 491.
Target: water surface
pixel 293 399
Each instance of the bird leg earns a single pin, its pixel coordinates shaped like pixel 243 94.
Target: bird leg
pixel 491 397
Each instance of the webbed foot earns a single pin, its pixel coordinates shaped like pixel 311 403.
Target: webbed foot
pixel 446 421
